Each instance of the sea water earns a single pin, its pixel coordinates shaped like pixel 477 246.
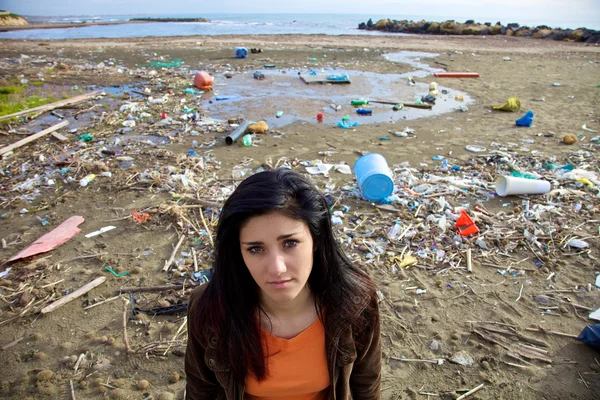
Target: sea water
pixel 242 24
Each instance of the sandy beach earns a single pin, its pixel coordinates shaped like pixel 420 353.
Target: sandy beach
pixel 509 324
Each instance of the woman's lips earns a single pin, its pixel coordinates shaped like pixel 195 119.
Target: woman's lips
pixel 280 284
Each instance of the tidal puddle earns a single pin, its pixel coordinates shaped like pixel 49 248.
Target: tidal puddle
pixel 283 90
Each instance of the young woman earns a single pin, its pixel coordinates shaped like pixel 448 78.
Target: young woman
pixel 286 315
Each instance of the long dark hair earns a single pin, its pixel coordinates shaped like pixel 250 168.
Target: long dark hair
pixel 229 305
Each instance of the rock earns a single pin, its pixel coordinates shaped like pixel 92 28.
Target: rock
pixel 118 394
pixel 24 299
pixel 448 27
pixel 543 33
pixel 40 355
pixel 44 375
pixel 485 365
pixel 509 32
pixel 435 346
pixel 595 367
pixel 462 358
pixel 174 378
pixel 569 138
pixel 166 396
pixel 382 24
pixel 142 384
pixel 433 27
pixel 258 127
pixel 576 35
pixel 454 336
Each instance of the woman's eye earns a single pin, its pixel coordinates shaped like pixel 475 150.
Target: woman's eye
pixel 254 249
pixel 290 243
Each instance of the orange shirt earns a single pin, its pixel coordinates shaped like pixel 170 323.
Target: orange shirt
pixel 296 368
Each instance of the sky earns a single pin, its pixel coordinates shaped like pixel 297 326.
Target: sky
pixel 492 10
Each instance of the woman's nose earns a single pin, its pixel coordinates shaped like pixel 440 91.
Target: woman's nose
pixel 277 265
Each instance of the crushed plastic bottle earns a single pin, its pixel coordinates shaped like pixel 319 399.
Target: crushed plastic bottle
pixel 395 230
pixel 87 180
pixel 247 140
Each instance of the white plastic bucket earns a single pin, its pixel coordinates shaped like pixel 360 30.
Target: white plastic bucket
pixel 374 177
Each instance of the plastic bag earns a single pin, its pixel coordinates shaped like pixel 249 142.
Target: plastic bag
pixel 591 336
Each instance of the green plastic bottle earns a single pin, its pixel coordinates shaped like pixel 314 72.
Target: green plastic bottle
pixel 247 140
pixel 359 102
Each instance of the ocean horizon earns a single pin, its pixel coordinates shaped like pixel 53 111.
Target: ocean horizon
pixel 244 24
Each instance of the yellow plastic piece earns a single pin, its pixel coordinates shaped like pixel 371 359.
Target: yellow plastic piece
pixel 513 105
pixel 586 182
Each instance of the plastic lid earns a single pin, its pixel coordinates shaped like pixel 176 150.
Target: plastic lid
pixel 377 187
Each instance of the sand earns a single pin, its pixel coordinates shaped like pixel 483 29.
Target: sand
pixel 437 324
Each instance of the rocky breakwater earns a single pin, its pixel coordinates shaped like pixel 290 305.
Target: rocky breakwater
pixel 8 19
pixel 474 28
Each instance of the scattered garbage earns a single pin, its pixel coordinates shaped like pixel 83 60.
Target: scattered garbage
pixel 525 120
pixel 510 185
pixel 203 80
pixel 241 52
pixel 513 104
pixel 374 177
pixel 52 239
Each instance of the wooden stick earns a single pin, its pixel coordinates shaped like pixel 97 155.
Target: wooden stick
pixel 520 294
pixel 438 361
pixel 469 265
pixel 33 137
pixel 79 360
pixel 552 332
pixel 150 289
pixel 206 227
pixel 73 295
pixel 183 324
pixel 11 344
pixel 102 302
pixel 72 390
pixel 470 392
pixel 195 260
pixel 125 339
pixel 57 104
pixel 172 258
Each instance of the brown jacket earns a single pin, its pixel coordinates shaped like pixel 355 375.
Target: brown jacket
pixel 354 360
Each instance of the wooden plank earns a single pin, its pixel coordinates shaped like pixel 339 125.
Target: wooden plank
pixel 59 137
pixel 320 79
pixel 73 295
pixel 33 137
pixel 57 104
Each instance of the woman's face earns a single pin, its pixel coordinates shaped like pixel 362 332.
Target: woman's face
pixel 278 252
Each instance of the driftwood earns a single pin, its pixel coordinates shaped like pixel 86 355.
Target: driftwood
pixel 33 137
pixel 73 295
pixel 150 289
pixel 57 104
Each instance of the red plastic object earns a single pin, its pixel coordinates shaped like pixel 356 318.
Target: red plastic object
pixel 456 75
pixel 163 115
pixel 203 80
pixel 319 116
pixel 465 225
pixel 52 239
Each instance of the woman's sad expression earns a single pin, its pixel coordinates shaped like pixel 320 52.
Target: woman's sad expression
pixel 278 252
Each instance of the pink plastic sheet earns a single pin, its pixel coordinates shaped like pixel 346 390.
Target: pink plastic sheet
pixel 52 239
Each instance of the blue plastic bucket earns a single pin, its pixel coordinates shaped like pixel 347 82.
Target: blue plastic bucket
pixel 374 177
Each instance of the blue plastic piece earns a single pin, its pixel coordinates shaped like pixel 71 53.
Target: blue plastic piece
pixel 591 336
pixel 347 124
pixel 241 52
pixel 525 120
pixel 364 111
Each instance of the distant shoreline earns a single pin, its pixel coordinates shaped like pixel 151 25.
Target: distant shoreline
pixel 60 25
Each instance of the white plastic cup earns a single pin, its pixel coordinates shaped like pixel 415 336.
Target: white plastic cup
pixel 507 185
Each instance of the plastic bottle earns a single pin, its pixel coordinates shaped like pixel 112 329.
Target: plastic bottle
pixel 395 230
pixel 247 140
pixel 279 114
pixel 359 102
pixel 129 123
pixel 364 111
pixel 87 179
